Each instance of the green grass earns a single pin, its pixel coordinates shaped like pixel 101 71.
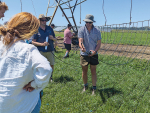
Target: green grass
pixel 120 88
pixel 61 34
pixel 130 37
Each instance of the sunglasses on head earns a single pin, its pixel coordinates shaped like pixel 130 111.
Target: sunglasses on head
pixel 43 20
pixel 89 22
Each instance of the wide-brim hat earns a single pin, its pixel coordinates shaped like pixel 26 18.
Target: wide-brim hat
pixel 43 16
pixel 89 18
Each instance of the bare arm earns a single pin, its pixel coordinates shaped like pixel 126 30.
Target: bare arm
pixel 39 44
pixel 81 45
pixel 80 41
pixel 52 38
pixel 73 36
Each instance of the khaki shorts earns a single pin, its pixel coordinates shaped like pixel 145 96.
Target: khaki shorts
pixel 86 60
pixel 49 56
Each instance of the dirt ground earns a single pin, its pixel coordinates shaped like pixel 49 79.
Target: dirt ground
pixel 140 52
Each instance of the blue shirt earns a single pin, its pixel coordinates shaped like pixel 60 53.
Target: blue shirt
pixel 89 39
pixel 41 38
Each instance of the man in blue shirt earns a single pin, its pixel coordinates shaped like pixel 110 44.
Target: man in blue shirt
pixel 44 40
pixel 89 42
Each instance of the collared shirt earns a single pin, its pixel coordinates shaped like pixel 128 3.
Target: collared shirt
pixel 19 65
pixel 89 39
pixel 41 38
pixel 67 35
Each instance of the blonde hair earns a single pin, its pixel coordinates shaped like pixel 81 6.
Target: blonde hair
pixel 23 25
pixel 3 4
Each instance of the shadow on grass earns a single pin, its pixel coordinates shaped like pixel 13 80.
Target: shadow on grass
pixel 64 79
pixel 107 93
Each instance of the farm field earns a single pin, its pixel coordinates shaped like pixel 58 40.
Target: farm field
pixel 128 37
pixel 122 43
pixel 120 88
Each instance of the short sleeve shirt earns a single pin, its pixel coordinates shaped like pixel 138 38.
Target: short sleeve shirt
pixel 67 35
pixel 41 38
pixel 89 39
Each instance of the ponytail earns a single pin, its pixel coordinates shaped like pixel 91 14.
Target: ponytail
pixel 9 35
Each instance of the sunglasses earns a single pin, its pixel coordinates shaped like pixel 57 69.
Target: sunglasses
pixel 43 20
pixel 89 22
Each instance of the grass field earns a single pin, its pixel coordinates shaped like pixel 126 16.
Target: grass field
pixel 131 37
pixel 61 34
pixel 120 88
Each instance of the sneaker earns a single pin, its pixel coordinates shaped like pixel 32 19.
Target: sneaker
pixel 93 92
pixel 84 89
pixel 66 56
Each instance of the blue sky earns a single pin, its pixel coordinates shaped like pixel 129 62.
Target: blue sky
pixel 116 11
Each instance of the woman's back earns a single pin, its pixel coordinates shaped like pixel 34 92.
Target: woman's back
pixel 18 66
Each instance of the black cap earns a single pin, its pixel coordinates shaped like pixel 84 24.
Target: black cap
pixel 52 25
pixel 69 25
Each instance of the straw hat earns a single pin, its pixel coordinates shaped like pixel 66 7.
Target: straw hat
pixel 42 16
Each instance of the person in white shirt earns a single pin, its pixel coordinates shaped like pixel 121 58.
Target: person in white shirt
pixel 24 72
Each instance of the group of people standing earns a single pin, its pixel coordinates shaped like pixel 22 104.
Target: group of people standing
pixel 25 69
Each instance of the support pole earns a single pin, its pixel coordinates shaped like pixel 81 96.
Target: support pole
pixel 54 14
